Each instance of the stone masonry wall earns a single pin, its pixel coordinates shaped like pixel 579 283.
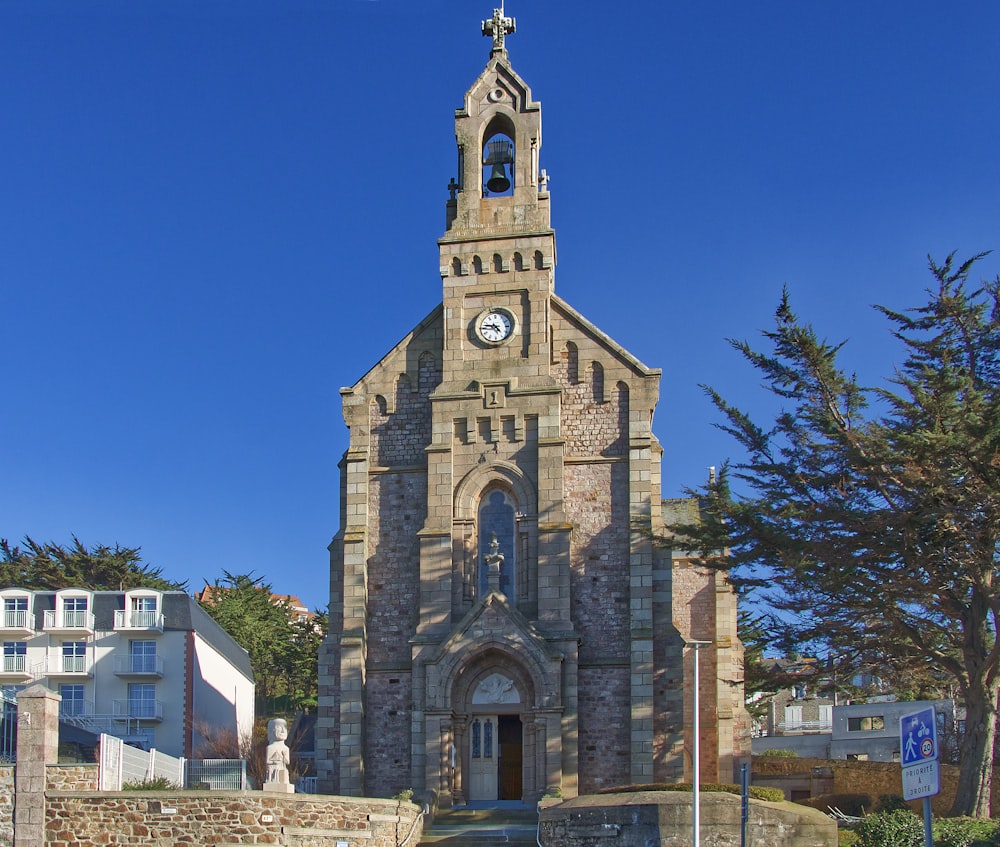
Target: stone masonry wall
pixel 597 507
pixel 82 777
pixel 87 819
pixel 604 727
pixel 6 805
pixel 397 508
pixel 387 759
pixel 594 415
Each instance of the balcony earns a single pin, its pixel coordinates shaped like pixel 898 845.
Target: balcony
pixel 69 666
pixel 61 622
pixel 17 622
pixel 132 621
pixel 16 669
pixel 138 665
pixel 803 727
pixel 76 711
pixel 138 710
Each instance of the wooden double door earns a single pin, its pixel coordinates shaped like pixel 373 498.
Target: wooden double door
pixel 495 758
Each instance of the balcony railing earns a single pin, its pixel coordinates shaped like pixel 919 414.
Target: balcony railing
pixel 17 620
pixel 150 710
pixel 61 620
pixel 131 619
pixel 75 709
pixel 16 666
pixel 803 727
pixel 68 665
pixel 138 665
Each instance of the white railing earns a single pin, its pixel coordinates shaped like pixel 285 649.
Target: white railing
pixel 15 664
pixel 70 710
pixel 131 619
pixel 139 664
pixel 804 726
pixel 138 709
pixel 18 619
pixel 62 619
pixel 68 664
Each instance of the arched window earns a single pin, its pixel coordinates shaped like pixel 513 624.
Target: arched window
pixel 497 517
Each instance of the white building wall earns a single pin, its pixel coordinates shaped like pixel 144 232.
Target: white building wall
pixel 223 697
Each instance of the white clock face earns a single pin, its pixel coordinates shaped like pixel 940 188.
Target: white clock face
pixel 495 326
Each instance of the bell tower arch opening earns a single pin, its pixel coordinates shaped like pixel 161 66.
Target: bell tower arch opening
pixel 498 156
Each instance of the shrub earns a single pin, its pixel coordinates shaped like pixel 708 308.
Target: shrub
pixel 773 795
pixel 966 832
pixel 780 753
pixel 157 783
pixel 897 828
pixel 892 802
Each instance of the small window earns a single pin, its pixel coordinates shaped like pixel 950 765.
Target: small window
pixel 873 723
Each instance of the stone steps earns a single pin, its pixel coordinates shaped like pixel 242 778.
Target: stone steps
pixel 483 828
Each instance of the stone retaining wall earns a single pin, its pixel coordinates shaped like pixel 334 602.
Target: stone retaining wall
pixel 663 818
pixel 221 819
pixel 856 778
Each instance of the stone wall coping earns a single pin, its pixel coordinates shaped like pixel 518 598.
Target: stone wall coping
pixel 359 802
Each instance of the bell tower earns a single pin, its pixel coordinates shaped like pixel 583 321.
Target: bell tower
pixel 498 251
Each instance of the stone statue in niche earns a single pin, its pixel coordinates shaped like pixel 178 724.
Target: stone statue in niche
pixel 277 758
pixel 493 560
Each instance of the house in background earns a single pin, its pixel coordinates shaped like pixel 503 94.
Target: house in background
pixel 148 666
pixel 859 731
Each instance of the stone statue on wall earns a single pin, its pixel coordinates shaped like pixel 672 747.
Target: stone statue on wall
pixel 277 757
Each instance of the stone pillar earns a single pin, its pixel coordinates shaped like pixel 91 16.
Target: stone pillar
pixel 37 745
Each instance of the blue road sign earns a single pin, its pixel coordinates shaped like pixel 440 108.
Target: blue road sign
pixel 918 737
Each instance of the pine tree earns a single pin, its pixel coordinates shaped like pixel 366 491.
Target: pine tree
pixel 873 515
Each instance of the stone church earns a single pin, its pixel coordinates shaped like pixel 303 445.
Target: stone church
pixel 501 625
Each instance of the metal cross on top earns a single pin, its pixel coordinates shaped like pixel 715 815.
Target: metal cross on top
pixel 499 26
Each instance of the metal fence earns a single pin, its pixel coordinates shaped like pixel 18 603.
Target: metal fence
pixel 8 728
pixel 216 774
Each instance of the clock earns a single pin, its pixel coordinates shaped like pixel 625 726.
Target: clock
pixel 495 325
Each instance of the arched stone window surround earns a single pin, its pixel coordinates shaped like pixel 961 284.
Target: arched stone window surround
pixel 471 489
pixel 501 126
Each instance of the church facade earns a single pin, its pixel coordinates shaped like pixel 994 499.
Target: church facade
pixel 501 625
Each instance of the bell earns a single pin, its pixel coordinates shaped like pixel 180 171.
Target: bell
pixel 498 182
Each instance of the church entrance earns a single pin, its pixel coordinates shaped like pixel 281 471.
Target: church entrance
pixel 496 760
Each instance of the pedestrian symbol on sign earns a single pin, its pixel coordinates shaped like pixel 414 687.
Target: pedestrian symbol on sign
pixel 918 736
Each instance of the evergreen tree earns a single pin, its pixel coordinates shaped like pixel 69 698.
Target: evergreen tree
pixel 50 566
pixel 283 651
pixel 872 516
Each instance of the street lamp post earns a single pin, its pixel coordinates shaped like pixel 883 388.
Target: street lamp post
pixel 696 758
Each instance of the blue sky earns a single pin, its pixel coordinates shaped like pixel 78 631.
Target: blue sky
pixel 214 214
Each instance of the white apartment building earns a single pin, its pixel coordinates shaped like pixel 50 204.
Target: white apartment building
pixel 148 666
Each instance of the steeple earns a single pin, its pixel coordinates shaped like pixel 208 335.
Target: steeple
pixel 498 248
pixel 499 136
